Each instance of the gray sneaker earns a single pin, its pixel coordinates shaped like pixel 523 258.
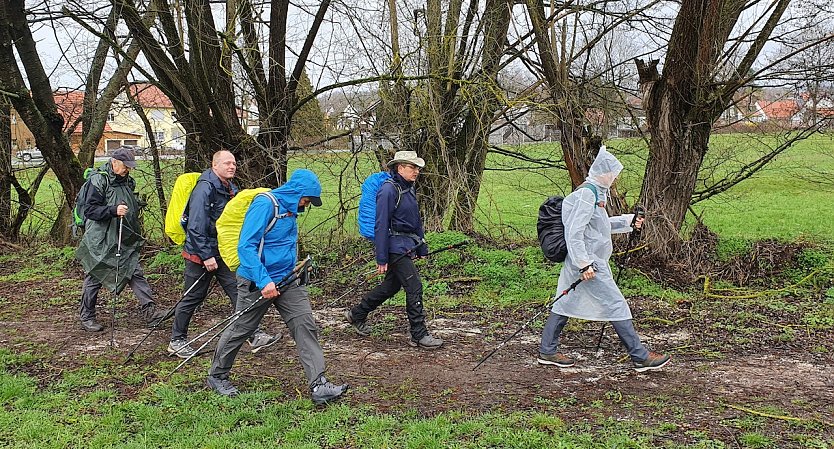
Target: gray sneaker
pixel 91 325
pixel 362 328
pixel 261 340
pixel 323 391
pixel 181 349
pixel 222 386
pixel 427 342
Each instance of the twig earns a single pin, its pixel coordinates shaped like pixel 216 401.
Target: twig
pixel 782 417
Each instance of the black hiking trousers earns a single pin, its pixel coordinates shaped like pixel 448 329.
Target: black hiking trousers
pixel 189 303
pixel 402 273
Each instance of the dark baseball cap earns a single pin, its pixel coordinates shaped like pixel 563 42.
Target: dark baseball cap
pixel 315 200
pixel 125 155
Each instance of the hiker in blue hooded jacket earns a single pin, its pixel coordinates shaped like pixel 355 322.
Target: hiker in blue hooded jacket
pixel 267 257
pixel 398 239
pixel 588 230
pixel 209 197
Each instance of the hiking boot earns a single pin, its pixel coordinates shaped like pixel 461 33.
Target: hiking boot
pixel 222 386
pixel 91 325
pixel 261 340
pixel 652 362
pixel 362 328
pixel 181 349
pixel 427 342
pixel 558 359
pixel 151 314
pixel 323 391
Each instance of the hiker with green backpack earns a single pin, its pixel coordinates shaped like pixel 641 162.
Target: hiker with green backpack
pixel 108 211
pixel 587 234
pixel 209 196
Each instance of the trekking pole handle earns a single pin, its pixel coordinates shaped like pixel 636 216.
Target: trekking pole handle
pixel 639 212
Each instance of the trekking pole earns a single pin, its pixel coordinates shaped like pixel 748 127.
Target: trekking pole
pixel 283 284
pixel 639 212
pixel 168 314
pixel 232 319
pixel 116 284
pixel 524 326
pixel 365 280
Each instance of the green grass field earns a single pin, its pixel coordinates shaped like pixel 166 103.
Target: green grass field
pixel 788 200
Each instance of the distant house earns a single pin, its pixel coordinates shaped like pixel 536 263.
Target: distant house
pixel 784 112
pixel 158 109
pixel 70 105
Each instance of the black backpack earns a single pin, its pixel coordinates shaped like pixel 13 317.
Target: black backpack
pixel 551 231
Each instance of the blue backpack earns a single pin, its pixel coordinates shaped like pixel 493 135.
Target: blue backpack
pixel 366 216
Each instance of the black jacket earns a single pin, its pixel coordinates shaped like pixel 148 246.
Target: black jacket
pixel 206 203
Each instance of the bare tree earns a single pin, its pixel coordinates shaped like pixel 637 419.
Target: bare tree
pixel 705 65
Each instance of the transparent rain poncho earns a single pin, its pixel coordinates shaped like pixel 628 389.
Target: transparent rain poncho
pixel 588 232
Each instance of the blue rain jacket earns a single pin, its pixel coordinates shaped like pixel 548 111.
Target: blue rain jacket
pixel 280 243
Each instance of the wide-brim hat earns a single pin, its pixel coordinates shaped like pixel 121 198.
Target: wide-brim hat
pixel 407 157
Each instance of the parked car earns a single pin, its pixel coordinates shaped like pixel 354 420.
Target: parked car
pixel 29 154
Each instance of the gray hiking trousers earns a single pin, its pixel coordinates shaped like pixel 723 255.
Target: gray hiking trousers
pixel 625 330
pixel 89 292
pixel 295 310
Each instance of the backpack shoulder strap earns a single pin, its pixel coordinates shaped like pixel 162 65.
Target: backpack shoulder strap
pixel 399 191
pixel 275 217
pixel 593 188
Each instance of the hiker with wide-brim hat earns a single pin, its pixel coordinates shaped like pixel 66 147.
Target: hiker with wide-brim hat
pixel 398 239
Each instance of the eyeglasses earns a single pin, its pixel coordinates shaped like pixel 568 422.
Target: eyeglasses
pixel 414 167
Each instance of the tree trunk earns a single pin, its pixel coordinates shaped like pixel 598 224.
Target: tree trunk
pixel 473 139
pixel 5 168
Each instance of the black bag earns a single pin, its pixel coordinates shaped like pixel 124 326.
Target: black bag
pixel 551 230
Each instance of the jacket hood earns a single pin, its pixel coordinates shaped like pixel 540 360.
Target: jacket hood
pixel 604 170
pixel 302 183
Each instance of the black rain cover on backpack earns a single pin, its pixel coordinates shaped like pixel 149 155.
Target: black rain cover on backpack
pixel 551 231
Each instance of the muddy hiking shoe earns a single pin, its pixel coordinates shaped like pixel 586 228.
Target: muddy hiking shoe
pixel 362 328
pixel 91 325
pixel 427 342
pixel 181 349
pixel 323 391
pixel 558 359
pixel 151 314
pixel 222 386
pixel 261 340
pixel 653 361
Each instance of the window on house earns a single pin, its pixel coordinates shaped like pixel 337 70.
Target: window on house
pixel 14 119
pixel 157 115
pixel 159 136
pixel 111 116
pixel 131 142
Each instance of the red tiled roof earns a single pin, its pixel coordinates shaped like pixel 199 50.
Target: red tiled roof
pixel 149 96
pixel 782 109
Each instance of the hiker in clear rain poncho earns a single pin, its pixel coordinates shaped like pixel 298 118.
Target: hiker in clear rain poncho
pixel 588 230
